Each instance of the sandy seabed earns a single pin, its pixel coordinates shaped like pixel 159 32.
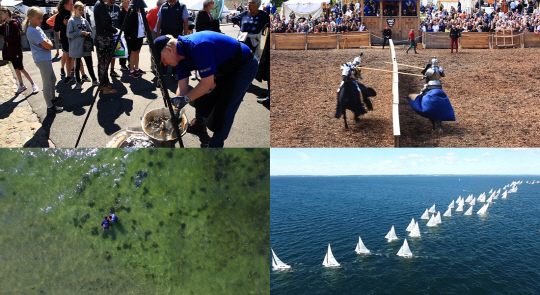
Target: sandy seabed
pixel 495 95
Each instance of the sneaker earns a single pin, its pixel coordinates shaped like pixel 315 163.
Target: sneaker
pixel 55 110
pixel 196 126
pixel 35 89
pixel 20 89
pixel 67 80
pixel 140 72
pixel 263 99
pixel 85 79
pixel 114 74
pixel 95 83
pixel 57 100
pixel 124 68
pixel 134 75
pixel 78 86
pixel 62 72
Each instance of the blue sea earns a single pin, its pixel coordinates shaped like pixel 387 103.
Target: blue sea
pixel 498 253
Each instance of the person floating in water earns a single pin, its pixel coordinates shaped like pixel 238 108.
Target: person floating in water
pixel 105 223
pixel 112 218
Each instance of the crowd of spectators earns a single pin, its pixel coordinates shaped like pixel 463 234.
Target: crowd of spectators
pixel 519 16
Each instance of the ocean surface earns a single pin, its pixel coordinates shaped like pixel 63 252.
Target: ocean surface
pixel 495 254
pixel 193 221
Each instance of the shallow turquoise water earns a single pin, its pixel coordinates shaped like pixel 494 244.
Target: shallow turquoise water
pixel 190 221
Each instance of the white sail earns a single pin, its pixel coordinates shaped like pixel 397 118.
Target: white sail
pixel 360 247
pixel 469 211
pixel 504 195
pixel 490 191
pixel 468 199
pixel 448 212
pixel 451 206
pixel 459 208
pixel 425 215
pixel 391 235
pixel 489 200
pixel 411 225
pixel 438 217
pixel 278 264
pixel 432 222
pixel 473 202
pixel 329 260
pixel 482 198
pixel 415 233
pixel 498 191
pixel 404 251
pixel 496 196
pixel 432 209
pixel 483 210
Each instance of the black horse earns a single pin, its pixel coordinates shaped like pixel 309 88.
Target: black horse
pixel 354 96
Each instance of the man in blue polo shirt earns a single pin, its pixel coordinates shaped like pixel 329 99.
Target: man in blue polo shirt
pixel 221 61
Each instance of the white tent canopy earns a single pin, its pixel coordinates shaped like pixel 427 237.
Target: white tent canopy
pixel 302 8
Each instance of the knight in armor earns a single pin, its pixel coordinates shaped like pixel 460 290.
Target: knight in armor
pixel 432 74
pixel 351 94
pixel 432 102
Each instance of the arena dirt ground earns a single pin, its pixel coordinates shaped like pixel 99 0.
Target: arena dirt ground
pixel 495 95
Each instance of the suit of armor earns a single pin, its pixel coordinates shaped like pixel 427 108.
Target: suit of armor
pixel 432 74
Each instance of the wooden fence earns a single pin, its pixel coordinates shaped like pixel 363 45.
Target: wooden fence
pixel 320 41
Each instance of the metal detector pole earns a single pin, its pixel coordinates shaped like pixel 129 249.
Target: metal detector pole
pixel 103 73
pixel 159 75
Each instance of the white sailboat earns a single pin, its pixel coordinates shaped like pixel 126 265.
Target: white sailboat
pixel 451 206
pixel 432 209
pixel 391 235
pixel 425 215
pixel 411 225
pixel 473 202
pixel 329 260
pixel 459 208
pixel 404 251
pixel 498 191
pixel 504 195
pixel 432 222
pixel 278 264
pixel 360 247
pixel 469 211
pixel 483 210
pixel 482 198
pixel 448 212
pixel 469 198
pixel 489 200
pixel 490 191
pixel 415 233
pixel 438 217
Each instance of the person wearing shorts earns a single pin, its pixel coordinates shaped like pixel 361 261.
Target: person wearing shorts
pixel 134 39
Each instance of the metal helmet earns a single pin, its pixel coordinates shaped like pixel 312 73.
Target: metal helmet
pixel 357 60
pixel 435 62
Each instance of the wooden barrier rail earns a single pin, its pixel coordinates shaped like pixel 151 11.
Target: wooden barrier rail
pixel 482 40
pixel 296 41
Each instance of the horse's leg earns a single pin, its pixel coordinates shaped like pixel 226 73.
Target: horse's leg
pixel 345 119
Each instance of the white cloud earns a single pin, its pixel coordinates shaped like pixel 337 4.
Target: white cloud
pixel 387 162
pixel 451 154
pixel 304 156
pixel 414 164
pixel 486 154
pixel 411 156
pixel 470 160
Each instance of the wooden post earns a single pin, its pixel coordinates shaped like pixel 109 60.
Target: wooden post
pixel 305 40
pixel 337 40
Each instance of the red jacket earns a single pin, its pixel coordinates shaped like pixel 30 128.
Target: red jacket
pixel 411 35
pixel 12 40
pixel 152 17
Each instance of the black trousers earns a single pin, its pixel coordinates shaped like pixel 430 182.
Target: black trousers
pixel 385 40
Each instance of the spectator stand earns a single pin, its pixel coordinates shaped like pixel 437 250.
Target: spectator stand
pixel 400 16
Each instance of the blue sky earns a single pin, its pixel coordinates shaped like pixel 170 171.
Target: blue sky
pixel 390 161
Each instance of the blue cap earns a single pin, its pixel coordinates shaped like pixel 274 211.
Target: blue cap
pixel 159 44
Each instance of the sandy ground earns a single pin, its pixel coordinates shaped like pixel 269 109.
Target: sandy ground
pixel 495 95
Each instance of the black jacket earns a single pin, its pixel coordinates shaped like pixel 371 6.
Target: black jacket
pixel 132 24
pixel 454 33
pixel 387 33
pixel 203 22
pixel 104 24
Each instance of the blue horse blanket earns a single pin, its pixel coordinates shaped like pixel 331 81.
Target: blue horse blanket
pixel 434 105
